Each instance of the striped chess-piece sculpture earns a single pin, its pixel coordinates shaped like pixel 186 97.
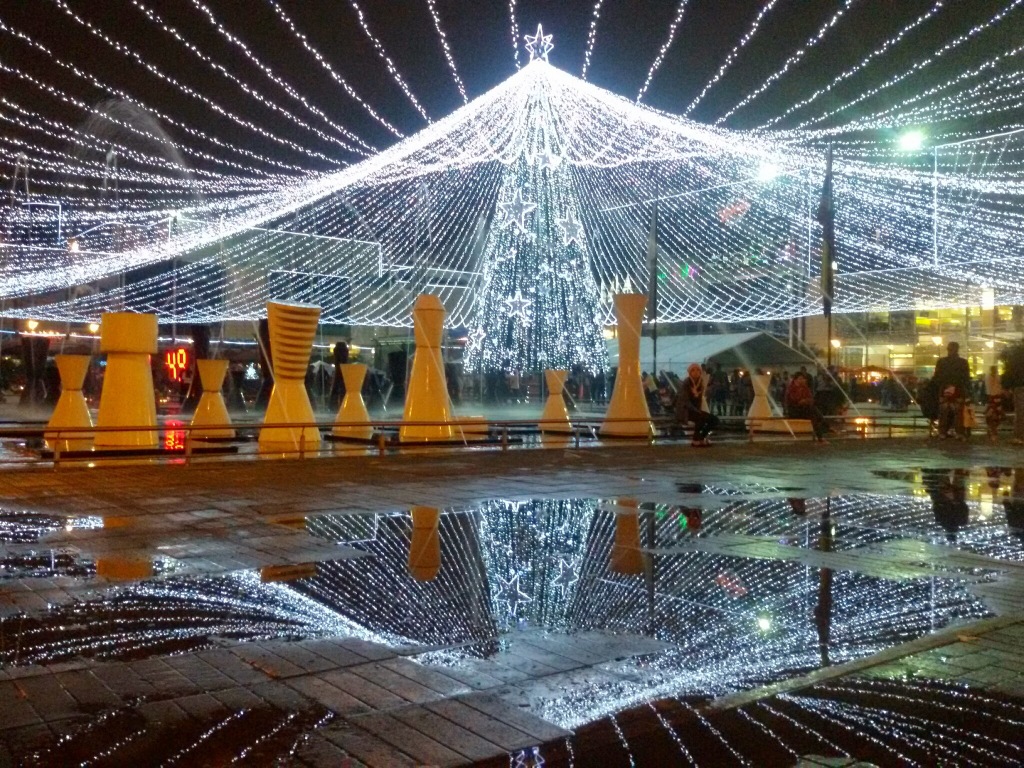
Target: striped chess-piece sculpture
pixel 292 330
pixel 71 410
pixel 628 415
pixel 128 398
pixel 427 399
pixel 211 419
pixel 353 420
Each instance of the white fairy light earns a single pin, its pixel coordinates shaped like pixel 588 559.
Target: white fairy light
pixel 738 239
pixel 432 5
pixel 392 69
pixel 656 65
pixel 304 41
pixel 515 31
pixel 595 15
pixel 747 37
pixel 790 62
pixel 847 74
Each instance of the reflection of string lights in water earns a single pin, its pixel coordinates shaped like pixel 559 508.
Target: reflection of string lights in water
pixel 560 553
pixel 170 615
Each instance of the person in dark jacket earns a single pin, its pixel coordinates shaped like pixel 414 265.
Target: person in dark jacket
pixel 952 381
pixel 800 405
pixel 688 406
pixel 1013 385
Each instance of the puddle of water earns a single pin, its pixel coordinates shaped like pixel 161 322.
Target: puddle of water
pixel 736 586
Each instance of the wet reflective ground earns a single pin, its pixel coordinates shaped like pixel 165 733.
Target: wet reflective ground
pixel 623 619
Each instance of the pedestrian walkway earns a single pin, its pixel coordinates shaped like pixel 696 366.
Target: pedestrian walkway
pixel 529 642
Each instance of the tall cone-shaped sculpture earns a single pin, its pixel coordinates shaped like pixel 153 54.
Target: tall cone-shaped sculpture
pixel 626 558
pixel 628 399
pixel 71 409
pixel 555 424
pixel 292 330
pixel 760 406
pixel 212 412
pixel 353 409
pixel 427 399
pixel 127 399
pixel 425 548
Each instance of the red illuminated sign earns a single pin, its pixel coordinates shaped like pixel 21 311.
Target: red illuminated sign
pixel 176 361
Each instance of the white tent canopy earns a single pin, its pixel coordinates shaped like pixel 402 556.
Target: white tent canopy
pixel 733 350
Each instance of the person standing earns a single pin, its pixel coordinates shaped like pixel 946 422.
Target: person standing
pixel 1013 381
pixel 953 383
pixel 689 399
pixel 994 404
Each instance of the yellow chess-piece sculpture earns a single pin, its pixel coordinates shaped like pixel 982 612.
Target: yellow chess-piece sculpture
pixel 626 558
pixel 211 418
pixel 353 418
pixel 427 398
pixel 425 548
pixel 292 330
pixel 71 409
pixel 628 398
pixel 127 399
pixel 555 425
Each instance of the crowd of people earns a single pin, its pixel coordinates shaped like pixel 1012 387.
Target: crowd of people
pixel 949 399
pixel 708 392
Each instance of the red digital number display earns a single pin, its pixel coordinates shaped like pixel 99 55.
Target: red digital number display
pixel 176 361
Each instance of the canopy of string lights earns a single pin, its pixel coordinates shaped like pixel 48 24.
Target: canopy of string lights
pixel 538 199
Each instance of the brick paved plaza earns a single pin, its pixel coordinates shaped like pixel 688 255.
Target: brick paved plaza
pixel 261 610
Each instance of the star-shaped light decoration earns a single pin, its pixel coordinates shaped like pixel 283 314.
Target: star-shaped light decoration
pixel 539 45
pixel 510 593
pixel 572 229
pixel 517 209
pixel 477 336
pixel 519 307
pixel 566 576
pixel 548 159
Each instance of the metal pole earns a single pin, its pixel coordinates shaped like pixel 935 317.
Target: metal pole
pixel 935 206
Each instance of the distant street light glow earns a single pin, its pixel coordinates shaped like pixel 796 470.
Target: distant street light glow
pixel 912 141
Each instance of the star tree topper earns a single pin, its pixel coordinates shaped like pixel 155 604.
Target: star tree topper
pixel 517 209
pixel 539 45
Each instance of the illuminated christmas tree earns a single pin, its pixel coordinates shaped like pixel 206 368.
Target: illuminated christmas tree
pixel 538 301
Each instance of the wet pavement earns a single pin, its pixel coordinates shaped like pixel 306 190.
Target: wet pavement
pixel 292 611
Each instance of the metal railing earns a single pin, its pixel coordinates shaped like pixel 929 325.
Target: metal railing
pixel 184 443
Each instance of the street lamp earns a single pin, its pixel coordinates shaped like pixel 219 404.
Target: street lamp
pixel 836 343
pixel 767 172
pixel 912 141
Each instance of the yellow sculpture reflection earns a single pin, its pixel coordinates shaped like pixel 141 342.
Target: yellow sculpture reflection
pixel 626 557
pixel 425 549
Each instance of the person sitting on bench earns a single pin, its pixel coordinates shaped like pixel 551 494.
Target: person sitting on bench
pixel 688 406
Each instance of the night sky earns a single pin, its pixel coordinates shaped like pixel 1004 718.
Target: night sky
pixel 629 34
